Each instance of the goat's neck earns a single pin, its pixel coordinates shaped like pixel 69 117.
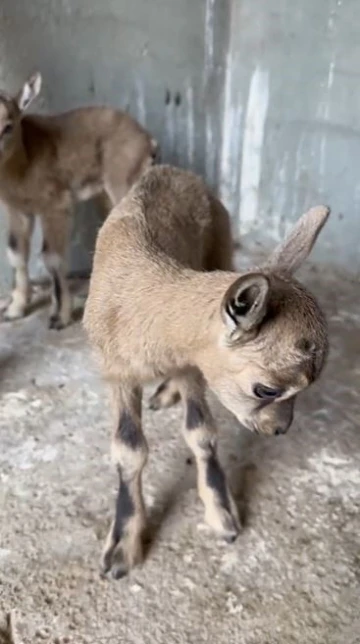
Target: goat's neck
pixel 15 164
pixel 192 322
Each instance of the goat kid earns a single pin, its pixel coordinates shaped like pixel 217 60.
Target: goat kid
pixel 47 163
pixel 163 302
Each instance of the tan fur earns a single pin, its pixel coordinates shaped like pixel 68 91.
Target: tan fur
pixel 47 163
pixel 154 310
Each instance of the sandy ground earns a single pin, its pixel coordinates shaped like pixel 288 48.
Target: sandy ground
pixel 291 577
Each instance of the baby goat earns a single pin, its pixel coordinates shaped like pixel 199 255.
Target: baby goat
pixel 49 162
pixel 153 311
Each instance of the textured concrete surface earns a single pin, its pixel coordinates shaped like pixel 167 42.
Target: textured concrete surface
pixel 292 577
pixel 260 97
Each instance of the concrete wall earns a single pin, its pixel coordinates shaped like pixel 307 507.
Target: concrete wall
pixel 260 96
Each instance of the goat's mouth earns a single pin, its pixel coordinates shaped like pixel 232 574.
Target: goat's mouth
pixel 249 425
pixel 277 430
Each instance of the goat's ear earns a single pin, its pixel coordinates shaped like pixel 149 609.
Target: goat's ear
pixel 245 303
pixel 29 91
pixel 295 249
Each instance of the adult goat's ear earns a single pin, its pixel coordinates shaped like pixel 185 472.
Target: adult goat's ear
pixel 290 255
pixel 29 91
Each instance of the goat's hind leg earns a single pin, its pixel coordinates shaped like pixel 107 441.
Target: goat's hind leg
pixel 55 239
pixel 18 249
pixel 166 395
pixel 123 547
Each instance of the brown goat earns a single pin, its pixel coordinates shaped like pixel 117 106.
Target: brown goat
pixel 153 311
pixel 47 163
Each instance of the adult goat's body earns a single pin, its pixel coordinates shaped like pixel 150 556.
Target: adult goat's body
pixel 47 163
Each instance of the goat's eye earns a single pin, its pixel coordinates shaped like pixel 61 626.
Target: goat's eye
pixel 8 129
pixel 266 393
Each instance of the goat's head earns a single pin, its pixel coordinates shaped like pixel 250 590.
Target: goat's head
pixel 11 111
pixel 271 335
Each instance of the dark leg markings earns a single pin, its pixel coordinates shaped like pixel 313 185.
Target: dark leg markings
pixel 12 242
pixel 124 509
pixel 57 290
pixel 55 320
pixel 194 414
pixel 215 479
pixel 128 432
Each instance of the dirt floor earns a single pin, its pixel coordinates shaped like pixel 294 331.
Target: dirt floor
pixel 293 576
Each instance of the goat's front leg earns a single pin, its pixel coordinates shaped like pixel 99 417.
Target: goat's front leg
pixel 123 547
pixel 20 230
pixel 220 508
pixel 200 434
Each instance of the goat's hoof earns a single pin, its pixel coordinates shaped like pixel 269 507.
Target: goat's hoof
pixel 113 564
pixel 118 559
pixel 227 526
pixel 231 537
pixel 230 530
pixel 116 570
pixel 11 318
pixel 232 526
pixel 119 570
pixel 55 322
pixel 12 314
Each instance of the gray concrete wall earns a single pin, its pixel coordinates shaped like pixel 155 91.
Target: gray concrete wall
pixel 260 96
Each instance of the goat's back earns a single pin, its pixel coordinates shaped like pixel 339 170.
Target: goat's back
pixel 170 215
pixel 80 138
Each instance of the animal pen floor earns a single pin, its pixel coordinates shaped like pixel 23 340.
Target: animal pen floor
pixel 291 577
